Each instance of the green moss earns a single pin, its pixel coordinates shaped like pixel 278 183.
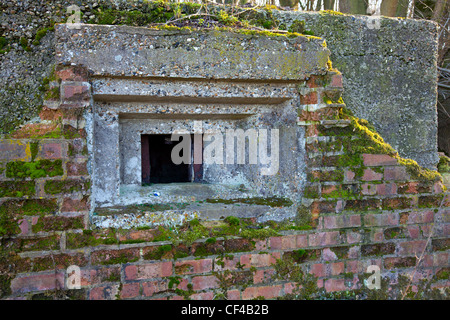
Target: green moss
pixel 342 191
pixel 31 207
pixel 163 234
pixel 45 243
pixel 158 253
pixel 444 164
pixel 113 277
pixel 24 44
pixel 303 217
pixel 17 188
pixel 8 224
pixel 443 274
pixel 34 148
pixel 258 233
pixel 58 224
pixel 35 169
pixel 90 238
pixel 232 221
pixel 65 186
pixel 121 258
pixel 269 201
pixel 311 192
pixel 5 285
pixel 370 142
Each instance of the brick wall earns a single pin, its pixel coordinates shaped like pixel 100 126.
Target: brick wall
pixel 367 207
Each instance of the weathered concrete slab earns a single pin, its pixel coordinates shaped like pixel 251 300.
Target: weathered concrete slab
pixel 211 54
pixel 389 74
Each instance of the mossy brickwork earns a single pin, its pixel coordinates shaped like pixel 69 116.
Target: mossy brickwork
pixel 363 205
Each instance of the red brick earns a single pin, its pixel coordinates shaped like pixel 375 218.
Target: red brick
pixel 268 292
pixel 229 264
pixel 76 92
pixel 288 242
pixel 290 287
pixel 426 230
pixel 75 205
pixel 205 282
pixel 369 189
pixel 129 290
pixel 370 175
pixel 143 235
pixel 324 239
pixel 427 261
pixel 386 189
pixel 336 80
pixel 341 221
pixel 438 187
pixel 309 98
pixel 408 187
pixel 51 150
pixel 24 227
pixel 327 189
pixel 374 160
pixel 376 235
pixel 396 173
pixel 411 247
pixel 72 73
pixel 76 169
pixel 172 298
pixel 441 259
pixel 96 276
pixel 328 255
pixel 112 256
pixel 335 285
pixel 349 175
pixel 148 271
pixel 384 219
pixel 234 295
pixel 37 282
pixel 104 293
pixel 397 262
pixel 352 266
pixel 150 288
pixel 202 296
pixel 302 241
pixel 313 82
pixel 261 244
pixel 193 266
pixel 337 268
pixel 263 276
pixel 353 237
pixel 414 232
pixel 318 270
pixel 312 131
pixel 259 260
pixel 14 150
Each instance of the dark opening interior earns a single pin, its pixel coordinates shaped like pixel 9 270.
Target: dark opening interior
pixel 157 165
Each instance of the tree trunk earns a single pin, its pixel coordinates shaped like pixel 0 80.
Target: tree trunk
pixel 328 4
pixel 389 8
pixel 353 6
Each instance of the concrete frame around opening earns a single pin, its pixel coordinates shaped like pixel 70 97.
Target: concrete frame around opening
pixel 146 81
pixel 119 123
